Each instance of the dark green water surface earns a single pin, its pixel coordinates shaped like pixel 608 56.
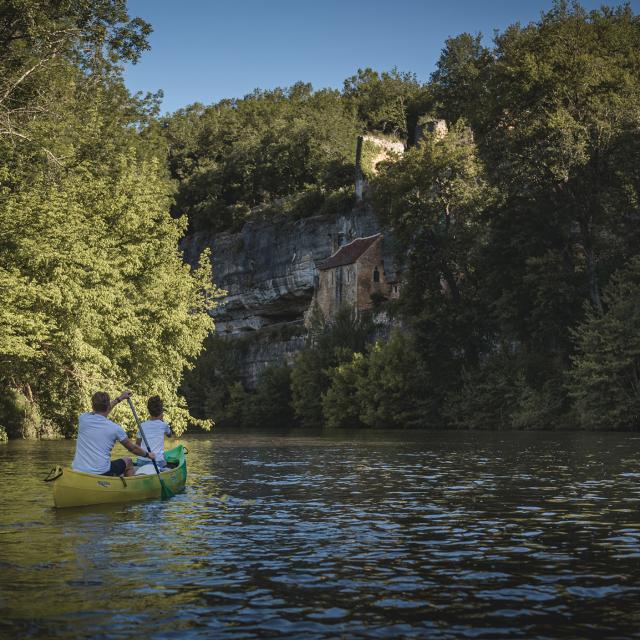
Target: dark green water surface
pixel 372 535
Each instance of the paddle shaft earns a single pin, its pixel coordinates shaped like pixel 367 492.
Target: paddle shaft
pixel 146 442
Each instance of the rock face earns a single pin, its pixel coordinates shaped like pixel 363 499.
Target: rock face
pixel 269 272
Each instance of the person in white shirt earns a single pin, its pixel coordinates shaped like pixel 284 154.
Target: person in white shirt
pixel 155 429
pixel 96 437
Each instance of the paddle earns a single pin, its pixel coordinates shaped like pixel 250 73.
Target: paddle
pixel 165 492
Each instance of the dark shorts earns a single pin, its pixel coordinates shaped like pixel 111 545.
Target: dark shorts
pixel 117 468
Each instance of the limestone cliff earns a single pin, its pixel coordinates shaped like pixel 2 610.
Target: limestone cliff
pixel 268 269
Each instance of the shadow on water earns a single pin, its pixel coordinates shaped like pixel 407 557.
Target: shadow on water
pixel 356 535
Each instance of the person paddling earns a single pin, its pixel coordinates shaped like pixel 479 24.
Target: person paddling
pixel 155 428
pixel 96 437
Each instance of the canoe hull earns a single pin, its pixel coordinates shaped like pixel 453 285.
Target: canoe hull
pixel 75 489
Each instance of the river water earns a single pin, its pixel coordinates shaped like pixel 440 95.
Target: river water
pixel 366 535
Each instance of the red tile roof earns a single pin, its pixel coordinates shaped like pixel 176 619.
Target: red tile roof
pixel 348 253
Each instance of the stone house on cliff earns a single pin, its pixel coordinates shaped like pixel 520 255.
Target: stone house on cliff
pixel 353 276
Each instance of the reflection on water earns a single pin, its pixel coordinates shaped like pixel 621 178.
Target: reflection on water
pixel 365 535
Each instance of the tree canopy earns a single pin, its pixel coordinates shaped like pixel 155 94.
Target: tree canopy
pixel 95 292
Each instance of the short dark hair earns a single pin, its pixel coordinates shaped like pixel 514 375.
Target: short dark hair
pixel 100 401
pixel 155 406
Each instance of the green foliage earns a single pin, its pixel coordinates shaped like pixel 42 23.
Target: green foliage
pixel 458 82
pixel 235 409
pixel 393 395
pixel 98 295
pixel 118 305
pixel 309 381
pixel 382 388
pixel 212 383
pixel 19 415
pixel 434 199
pixel 605 380
pixel 341 402
pixel 506 225
pixel 382 100
pixel 48 52
pixel 560 105
pixel 331 342
pixel 214 389
pixel 544 407
pixel 269 407
pixel 236 155
pixel 286 151
pixel 506 232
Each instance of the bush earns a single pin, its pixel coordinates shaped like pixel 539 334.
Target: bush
pixel 330 344
pixel 605 380
pixel 341 404
pixel 18 416
pixel 270 406
pixel 395 393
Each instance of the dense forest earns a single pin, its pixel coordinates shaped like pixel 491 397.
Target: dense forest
pixel 518 230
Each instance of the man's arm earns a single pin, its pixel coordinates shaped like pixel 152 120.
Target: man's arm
pixel 123 396
pixel 139 451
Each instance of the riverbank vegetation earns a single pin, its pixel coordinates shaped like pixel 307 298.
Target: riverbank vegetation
pixel 94 292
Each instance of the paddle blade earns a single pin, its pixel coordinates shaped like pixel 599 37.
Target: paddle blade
pixel 165 492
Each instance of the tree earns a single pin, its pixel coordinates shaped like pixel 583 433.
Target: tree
pixel 330 343
pixel 395 393
pixel 459 81
pixel 117 306
pixel 42 43
pixel 270 406
pixel 605 380
pixel 236 155
pixel 434 199
pixel 382 100
pixel 561 104
pixel 99 296
pixel 341 406
pixel 209 385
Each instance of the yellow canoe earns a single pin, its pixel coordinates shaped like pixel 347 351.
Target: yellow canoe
pixel 76 489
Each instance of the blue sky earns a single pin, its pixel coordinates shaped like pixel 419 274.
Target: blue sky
pixel 206 50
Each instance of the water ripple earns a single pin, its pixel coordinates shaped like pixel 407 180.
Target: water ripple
pixel 365 535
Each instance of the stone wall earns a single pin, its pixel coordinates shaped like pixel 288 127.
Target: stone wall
pixel 367 263
pixel 336 287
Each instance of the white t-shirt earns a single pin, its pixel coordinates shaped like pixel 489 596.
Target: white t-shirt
pixel 96 437
pixel 155 430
